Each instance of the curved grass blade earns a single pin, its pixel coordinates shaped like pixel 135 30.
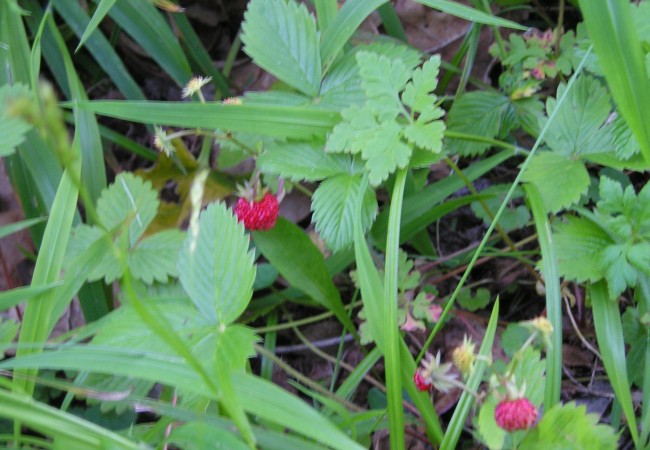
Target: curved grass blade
pixel 282 121
pixel 464 405
pixel 471 14
pixel 12 297
pixel 553 296
pixel 100 13
pixel 61 426
pixel 149 29
pixel 613 33
pixel 100 49
pixel 345 23
pixel 609 333
pixel 18 226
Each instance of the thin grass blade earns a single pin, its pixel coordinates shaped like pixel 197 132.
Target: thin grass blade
pixel 471 14
pixel 101 11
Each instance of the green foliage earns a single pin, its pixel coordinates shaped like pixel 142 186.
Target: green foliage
pixel 215 266
pixel 513 217
pixel 473 301
pixel 636 336
pixel 125 209
pixel 568 427
pixel 201 436
pixel 613 243
pixel 12 128
pixel 334 209
pixel 377 130
pixel 281 37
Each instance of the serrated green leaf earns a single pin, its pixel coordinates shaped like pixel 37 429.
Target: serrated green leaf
pixel 281 38
pixel 382 80
pixel 579 124
pixel 619 273
pixel 417 94
pixel 154 258
pixel 334 206
pixel 303 161
pixel 215 267
pixel 385 152
pixel 130 200
pixel 426 135
pixel 478 113
pixel 625 144
pixel 12 134
pixel 358 125
pixel 578 245
pixel 560 180
pixel 636 336
pixel 570 427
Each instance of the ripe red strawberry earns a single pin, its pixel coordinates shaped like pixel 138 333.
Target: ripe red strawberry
pixel 519 414
pixel 422 381
pixel 258 215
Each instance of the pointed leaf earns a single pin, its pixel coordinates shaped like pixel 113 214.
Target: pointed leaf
pixel 101 11
pixel 292 253
pixel 471 14
pixel 281 38
pixel 215 266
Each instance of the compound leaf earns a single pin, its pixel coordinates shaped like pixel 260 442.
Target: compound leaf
pixel 281 38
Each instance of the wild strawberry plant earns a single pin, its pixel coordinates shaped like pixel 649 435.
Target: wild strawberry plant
pixel 361 122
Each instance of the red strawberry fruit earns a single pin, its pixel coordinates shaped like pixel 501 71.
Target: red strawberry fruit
pixel 422 381
pixel 257 215
pixel 519 414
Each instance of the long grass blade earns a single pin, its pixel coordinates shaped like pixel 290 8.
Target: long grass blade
pixel 100 13
pixel 466 399
pixel 609 333
pixel 471 14
pixel 553 296
pixel 615 39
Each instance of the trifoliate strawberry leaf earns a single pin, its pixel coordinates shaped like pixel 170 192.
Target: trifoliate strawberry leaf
pixel 334 205
pixel 579 124
pixel 304 161
pixel 215 266
pixel 129 200
pixel 154 258
pixel 281 38
pixel 479 113
pixel 560 180
pixel 567 426
pixel 382 80
pixel 513 217
pixel 579 243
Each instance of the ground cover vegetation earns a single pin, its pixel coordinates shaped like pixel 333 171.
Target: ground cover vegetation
pixel 285 225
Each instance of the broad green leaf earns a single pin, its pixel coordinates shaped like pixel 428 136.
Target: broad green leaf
pixel 579 125
pixel 299 122
pixel 102 9
pixel 569 426
pixel 303 161
pixel 281 38
pixel 147 26
pixel 616 41
pixel 292 253
pixel 478 113
pixel 155 257
pixel 560 180
pixel 129 200
pixel 215 266
pixel 471 14
pixel 334 206
pixel 578 244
